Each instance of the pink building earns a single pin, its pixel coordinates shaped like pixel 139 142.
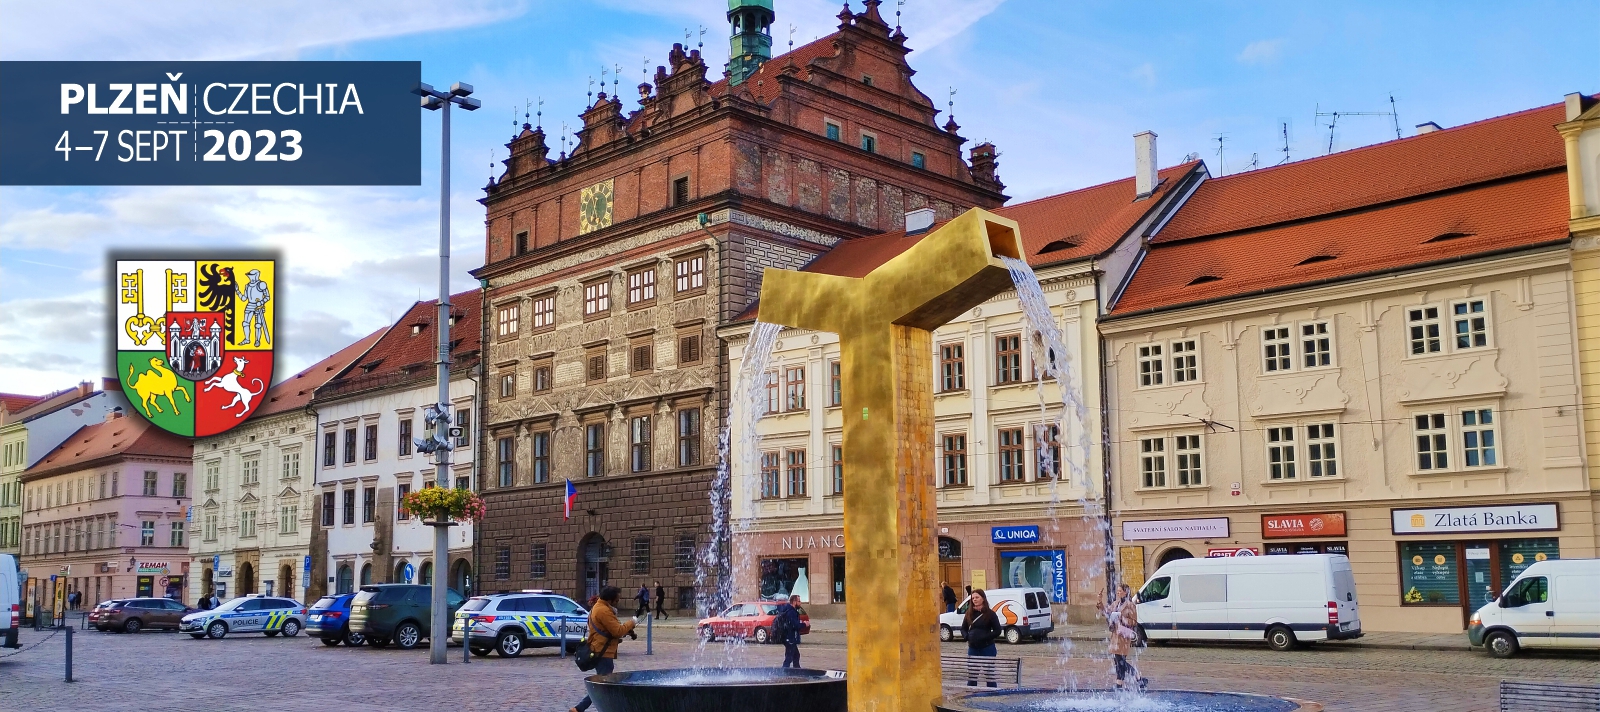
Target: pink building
pixel 105 511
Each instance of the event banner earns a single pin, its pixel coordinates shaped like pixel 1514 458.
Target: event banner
pixel 210 123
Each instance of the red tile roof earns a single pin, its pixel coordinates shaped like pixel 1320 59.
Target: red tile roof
pixel 296 391
pixel 1462 223
pixel 15 402
pixel 1485 150
pixel 400 355
pixel 127 436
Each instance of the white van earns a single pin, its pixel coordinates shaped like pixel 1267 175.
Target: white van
pixel 1024 614
pixel 1282 599
pixel 10 601
pixel 1551 604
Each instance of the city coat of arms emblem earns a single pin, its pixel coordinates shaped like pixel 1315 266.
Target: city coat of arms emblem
pixel 195 340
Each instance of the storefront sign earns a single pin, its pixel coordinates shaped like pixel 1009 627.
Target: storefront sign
pixel 1014 535
pixel 1131 559
pixel 1487 518
pixel 225 573
pixel 1175 529
pixel 1331 547
pixel 152 567
pixel 826 541
pixel 1036 569
pixel 1058 576
pixel 1239 551
pixel 1286 526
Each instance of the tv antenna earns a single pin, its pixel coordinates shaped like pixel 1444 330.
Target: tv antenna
pixel 1222 163
pixel 1333 119
pixel 1255 161
pixel 791 36
pixel 1283 130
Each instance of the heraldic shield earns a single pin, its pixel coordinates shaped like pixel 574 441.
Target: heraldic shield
pixel 195 340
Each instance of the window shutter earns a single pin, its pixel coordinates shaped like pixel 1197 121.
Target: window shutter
pixel 689 349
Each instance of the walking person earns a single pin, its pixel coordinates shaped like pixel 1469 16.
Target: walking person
pixel 643 597
pixel 1122 617
pixel 661 601
pixel 788 625
pixel 605 635
pixel 949 595
pixel 980 627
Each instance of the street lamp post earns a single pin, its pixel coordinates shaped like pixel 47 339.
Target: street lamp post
pixel 433 100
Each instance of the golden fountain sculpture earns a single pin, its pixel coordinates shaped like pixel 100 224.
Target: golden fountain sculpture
pixel 885 323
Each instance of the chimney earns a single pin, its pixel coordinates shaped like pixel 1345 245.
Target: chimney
pixel 918 221
pixel 113 414
pixel 1144 162
pixel 1576 105
pixel 1427 128
pixel 85 388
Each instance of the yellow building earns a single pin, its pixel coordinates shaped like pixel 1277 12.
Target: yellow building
pixel 1581 138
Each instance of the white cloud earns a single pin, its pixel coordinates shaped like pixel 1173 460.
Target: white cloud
pixel 205 30
pixel 1261 52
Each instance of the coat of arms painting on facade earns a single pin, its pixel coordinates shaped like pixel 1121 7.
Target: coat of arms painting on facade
pixel 195 340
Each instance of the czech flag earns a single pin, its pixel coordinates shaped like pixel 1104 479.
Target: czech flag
pixel 572 495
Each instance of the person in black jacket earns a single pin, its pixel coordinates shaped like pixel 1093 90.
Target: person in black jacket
pixel 787 625
pixel 980 627
pixel 949 595
pixel 661 601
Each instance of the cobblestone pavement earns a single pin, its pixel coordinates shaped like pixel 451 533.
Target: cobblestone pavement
pixel 174 672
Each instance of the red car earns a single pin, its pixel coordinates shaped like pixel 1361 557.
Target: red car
pixel 747 620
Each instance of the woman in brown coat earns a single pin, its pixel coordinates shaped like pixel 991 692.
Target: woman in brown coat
pixel 605 634
pixel 1122 616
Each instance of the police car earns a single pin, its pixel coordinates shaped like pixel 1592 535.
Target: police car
pixel 255 613
pixel 509 622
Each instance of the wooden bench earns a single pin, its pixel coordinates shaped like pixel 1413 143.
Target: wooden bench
pixel 958 670
pixel 1548 697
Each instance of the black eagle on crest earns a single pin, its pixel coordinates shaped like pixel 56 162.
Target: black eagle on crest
pixel 218 289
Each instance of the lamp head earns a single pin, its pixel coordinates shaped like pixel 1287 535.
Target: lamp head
pixel 432 103
pixel 460 89
pixel 469 103
pixel 422 89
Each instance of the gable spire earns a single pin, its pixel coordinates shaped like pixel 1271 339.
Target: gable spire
pixel 751 43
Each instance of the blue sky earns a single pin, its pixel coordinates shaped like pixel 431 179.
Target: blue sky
pixel 1060 87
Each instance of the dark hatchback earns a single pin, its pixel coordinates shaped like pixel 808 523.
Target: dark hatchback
pixel 329 619
pixel 397 613
pixel 130 615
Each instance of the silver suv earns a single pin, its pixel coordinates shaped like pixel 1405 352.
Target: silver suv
pixel 509 622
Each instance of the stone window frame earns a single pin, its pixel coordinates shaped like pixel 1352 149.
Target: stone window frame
pixel 952 367
pixel 689 439
pixel 685 274
pixel 673 198
pixel 369 441
pixel 543 312
pixel 508 320
pixel 641 354
pixel 1454 432
pixel 594 447
pixel 916 154
pixel 538 560
pixel 1308 433
pixel 771 469
pixel 508 383
pixel 291 463
pixel 837 126
pixel 836 467
pixel 544 374
pixel 641 440
pixel 795 472
pixel 1008 373
pixel 540 457
pixel 687 355
pixel 505 459
pixel 519 243
pixel 1018 451
pixel 369 505
pixel 645 289
pixel 869 142
pixel 596 364
pixel 955 468
pixel 596 303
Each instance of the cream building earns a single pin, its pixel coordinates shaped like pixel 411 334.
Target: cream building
pixel 1581 138
pixel 1385 368
pixel 1002 521
pixel 253 521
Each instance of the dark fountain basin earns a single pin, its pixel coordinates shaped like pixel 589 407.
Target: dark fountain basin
pixel 1025 700
pixel 736 689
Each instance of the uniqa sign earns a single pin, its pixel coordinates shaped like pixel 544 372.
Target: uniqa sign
pixel 1023 534
pixel 1486 518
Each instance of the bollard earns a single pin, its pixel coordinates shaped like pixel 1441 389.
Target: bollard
pixel 466 637
pixel 649 634
pixel 69 653
pixel 563 636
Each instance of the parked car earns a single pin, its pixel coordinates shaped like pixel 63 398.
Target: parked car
pixel 10 602
pixel 130 615
pixel 1551 604
pixel 747 620
pixel 1284 600
pixel 509 622
pixel 329 619
pixel 397 612
pixel 1024 614
pixel 254 613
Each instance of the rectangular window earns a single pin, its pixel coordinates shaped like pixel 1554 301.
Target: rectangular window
pixel 508 384
pixel 400 493
pixel 680 191
pixel 180 482
pixel 952 368
pixel 594 442
pixel 349 506
pixel 463 483
pixel 688 349
pixel 639 443
pixel 1423 324
pixel 502 563
pixel 536 561
pixel 1430 573
pixel 147 534
pixel 918 160
pixel 1281 458
pixel 1012 463
pixel 771 475
pixel 642 286
pixel 369 505
pixel 688 437
pixel 683 554
pixel 369 450
pixel 1185 362
pixel 597 366
pixel 869 143
pixel 1316 345
pixel 1008 359
pixel 1153 461
pixel 1470 324
pixel 643 357
pixel 288 519
pixel 1322 459
pixel 327 509
pixel 838 469
pixel 641 556
pixel 247 523
pixel 774 403
pixel 690 273
pixel 541 458
pixel 1152 366
pixel 794 388
pixel 1432 442
pixel 542 382
pixel 149 484
pixel 210 529
pixel 797 472
pixel 597 298
pixel 291 465
pixel 506 451
pixel 1275 348
pixel 349 446
pixel 1050 437
pixel 522 242
pixel 405 437
pixel 544 312
pixel 1187 449
pixel 832 130
pixel 507 319
pixel 955 460
pixel 329 441
pixel 464 421
pixel 250 471
pixel 835 384
pixel 1477 437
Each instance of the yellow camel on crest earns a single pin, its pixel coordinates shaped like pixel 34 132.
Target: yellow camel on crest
pixel 158 381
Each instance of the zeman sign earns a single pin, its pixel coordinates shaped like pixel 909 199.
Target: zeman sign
pixel 1487 518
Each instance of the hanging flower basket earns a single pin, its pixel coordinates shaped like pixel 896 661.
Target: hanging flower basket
pixel 443 504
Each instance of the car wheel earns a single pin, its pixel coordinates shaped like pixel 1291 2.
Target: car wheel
pixel 1501 644
pixel 944 633
pixel 377 642
pixel 132 625
pixel 761 636
pixel 330 642
pixel 1280 638
pixel 509 645
pixel 217 630
pixel 354 640
pixel 291 628
pixel 197 636
pixel 1013 636
pixel 407 636
pixel 481 652
pixel 707 634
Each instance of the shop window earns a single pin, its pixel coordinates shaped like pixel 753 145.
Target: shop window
pixel 1152 366
pixel 1432 442
pixel 1012 463
pixel 544 312
pixel 1423 326
pixel 1429 574
pixel 952 368
pixel 955 460
pixel 541 457
pixel 1275 349
pixel 1008 359
pixel 1469 323
pixel 1316 345
pixel 1187 450
pixel 1518 554
pixel 1153 462
pixel 1031 569
pixel 781 577
pixel 1280 453
pixel 771 479
pixel 1185 362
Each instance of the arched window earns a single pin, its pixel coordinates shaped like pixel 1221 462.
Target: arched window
pixel 346 579
pixel 399 572
pixel 366 574
pixel 425 574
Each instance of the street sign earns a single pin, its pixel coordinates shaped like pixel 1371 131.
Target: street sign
pixel 410 571
pixel 216 561
pixel 305 579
